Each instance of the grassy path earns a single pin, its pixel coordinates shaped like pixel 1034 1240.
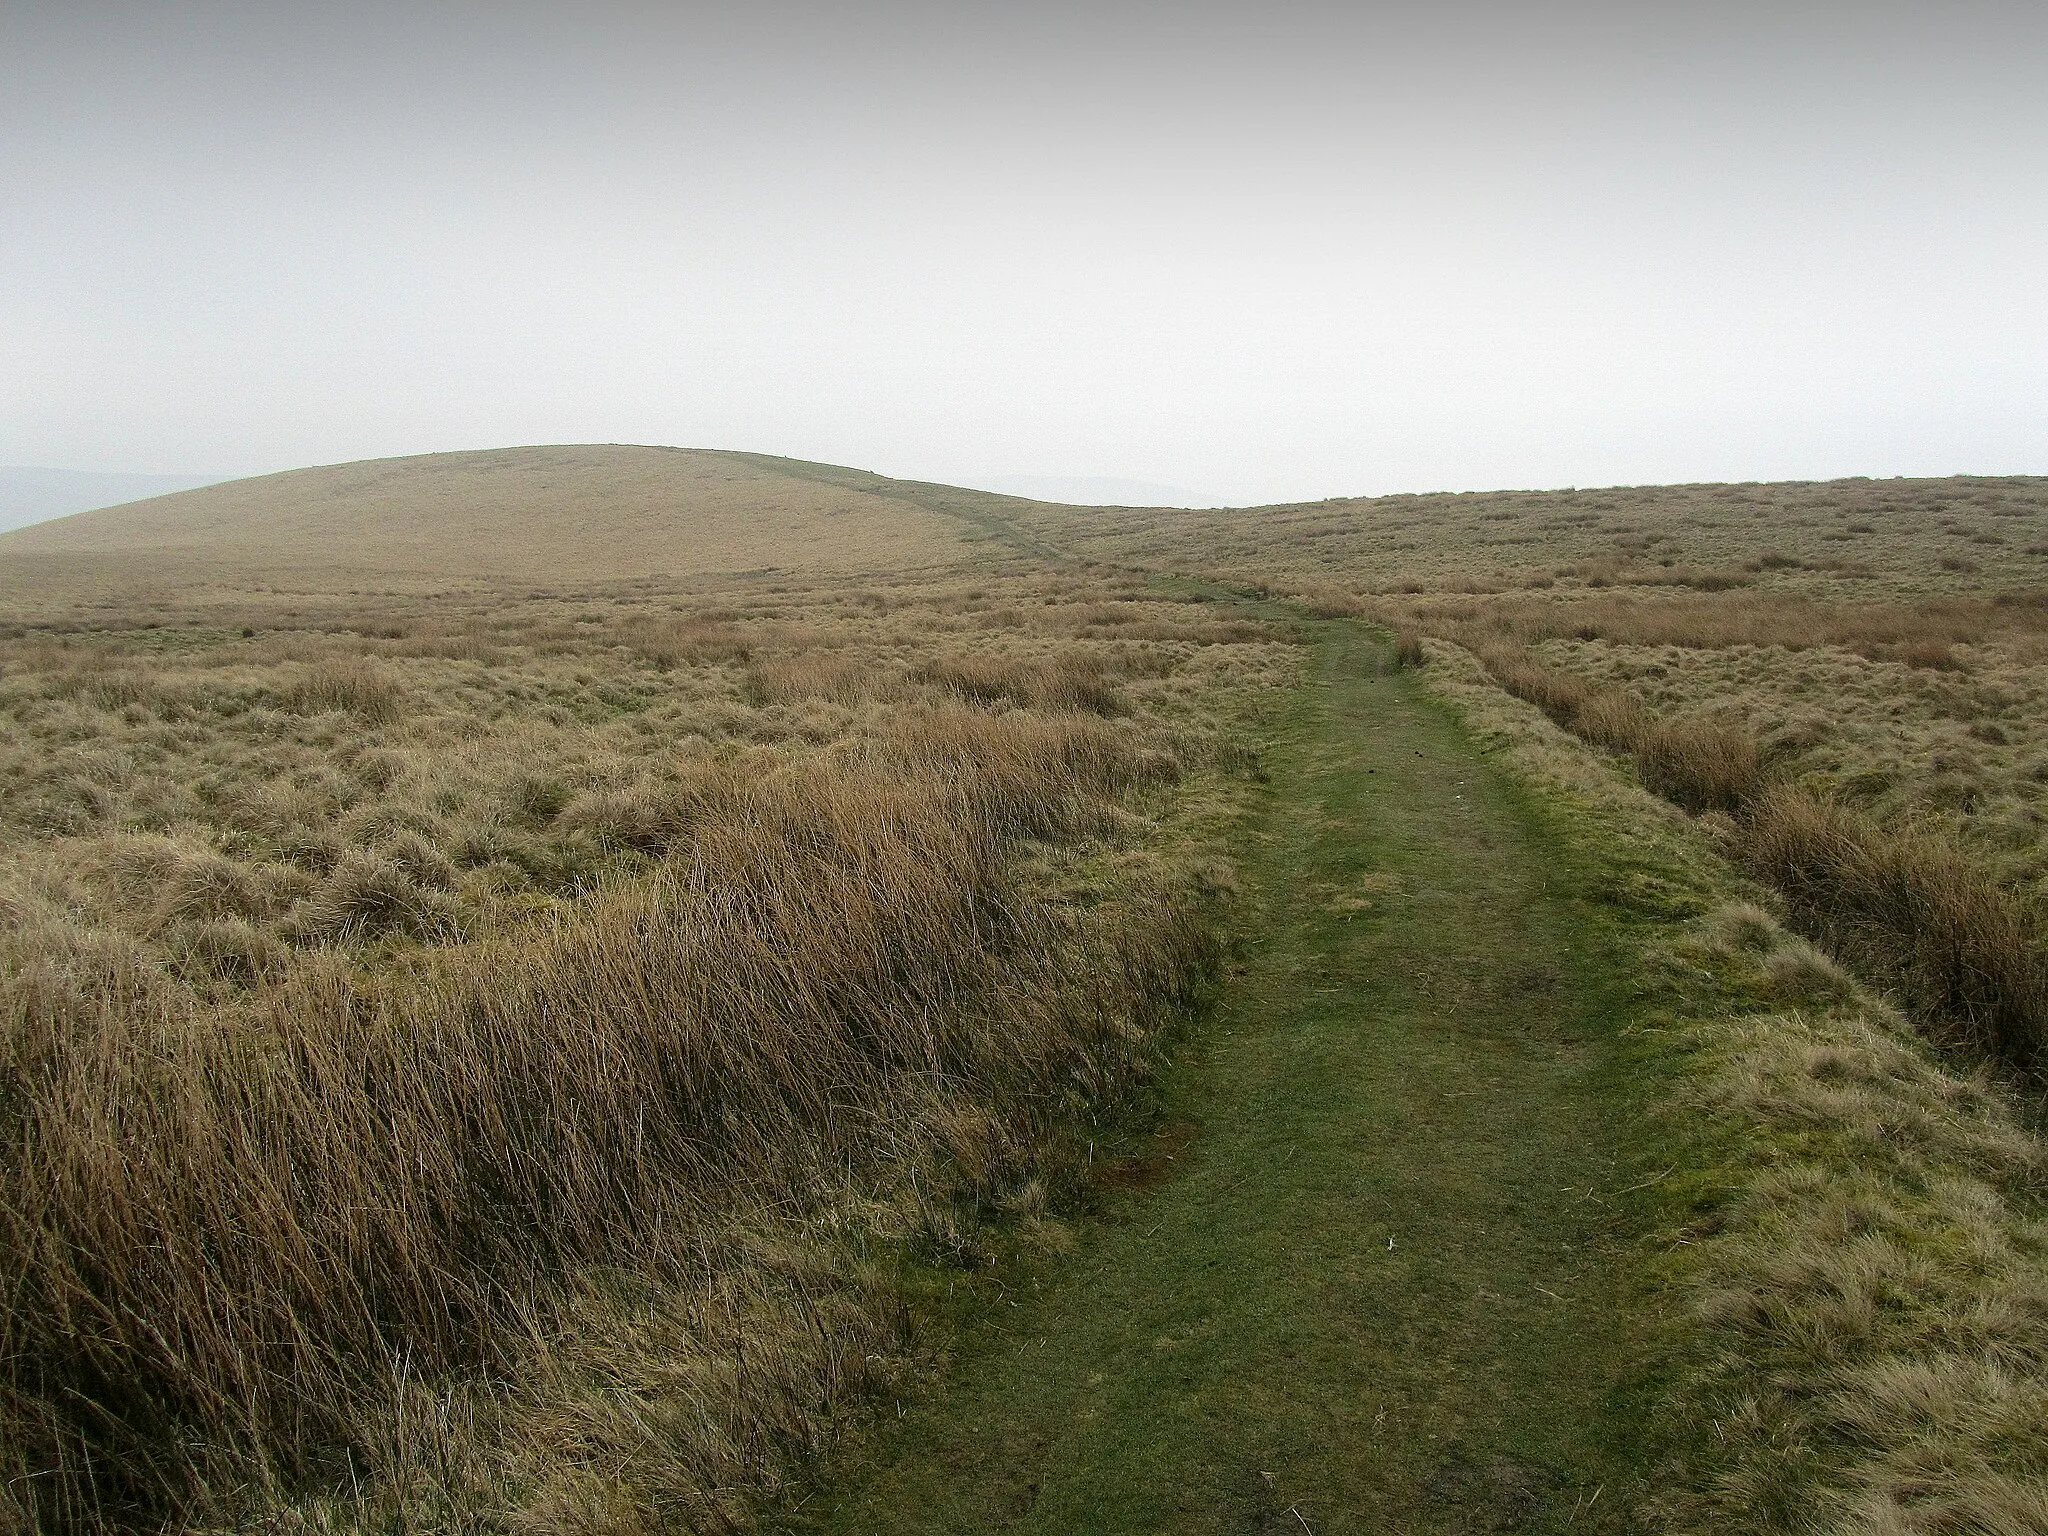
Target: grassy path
pixel 1371 1291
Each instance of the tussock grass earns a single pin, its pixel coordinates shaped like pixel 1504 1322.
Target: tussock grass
pixel 355 686
pixel 680 642
pixel 368 895
pixel 836 677
pixel 1855 1236
pixel 1064 682
pixel 438 1047
pixel 403 1170
pixel 1914 909
pixel 1872 1298
pixel 1907 904
pixel 1558 694
pixel 1703 765
pixel 1611 718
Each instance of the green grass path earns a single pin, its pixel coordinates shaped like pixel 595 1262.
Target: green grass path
pixel 1376 1291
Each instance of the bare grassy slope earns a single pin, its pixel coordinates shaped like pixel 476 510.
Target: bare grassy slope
pixel 1835 540
pixel 553 514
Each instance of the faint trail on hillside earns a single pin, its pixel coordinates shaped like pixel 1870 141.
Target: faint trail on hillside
pixel 1376 1292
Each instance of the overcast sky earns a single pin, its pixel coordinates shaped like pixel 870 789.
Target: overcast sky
pixel 1267 250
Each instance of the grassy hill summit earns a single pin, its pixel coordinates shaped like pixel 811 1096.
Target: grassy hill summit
pixel 561 514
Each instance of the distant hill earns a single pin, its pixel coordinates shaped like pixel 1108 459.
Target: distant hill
pixel 37 495
pixel 542 515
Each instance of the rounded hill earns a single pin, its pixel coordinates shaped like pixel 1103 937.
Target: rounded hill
pixel 592 512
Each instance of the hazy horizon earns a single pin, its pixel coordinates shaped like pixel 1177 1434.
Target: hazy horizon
pixel 34 493
pixel 1275 253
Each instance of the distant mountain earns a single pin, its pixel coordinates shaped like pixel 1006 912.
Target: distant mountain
pixel 37 495
pixel 1099 491
pixel 582 512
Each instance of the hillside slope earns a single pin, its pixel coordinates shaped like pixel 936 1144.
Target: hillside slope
pixel 1856 537
pixel 568 514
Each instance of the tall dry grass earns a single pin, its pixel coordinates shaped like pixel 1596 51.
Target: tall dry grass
pixel 353 685
pixel 685 641
pixel 1907 904
pixel 439 1041
pixel 1915 910
pixel 221 1227
pixel 1702 764
pixel 1066 681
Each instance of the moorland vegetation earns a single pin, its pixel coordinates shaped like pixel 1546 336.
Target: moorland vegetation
pixel 1852 1230
pixel 494 1021
pixel 1852 676
pixel 453 1044
pixel 1844 686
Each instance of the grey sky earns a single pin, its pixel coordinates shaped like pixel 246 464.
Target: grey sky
pixel 1267 250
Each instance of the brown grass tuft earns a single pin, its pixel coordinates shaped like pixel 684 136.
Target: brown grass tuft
pixel 687 642
pixel 1931 655
pixel 1703 765
pixel 1611 718
pixel 837 677
pixel 1917 910
pixel 369 895
pixel 1074 682
pixel 1558 694
pixel 348 684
